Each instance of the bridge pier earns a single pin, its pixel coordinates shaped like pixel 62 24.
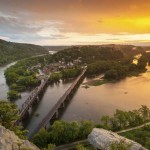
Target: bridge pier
pixel 26 114
pixel 56 114
pixel 47 126
pixel 62 105
pixel 37 99
pixel 72 92
pixel 68 97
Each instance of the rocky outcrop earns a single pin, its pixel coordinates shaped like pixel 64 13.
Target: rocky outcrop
pixel 9 141
pixel 102 139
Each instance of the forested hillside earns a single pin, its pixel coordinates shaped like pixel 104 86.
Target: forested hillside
pixel 89 54
pixel 10 51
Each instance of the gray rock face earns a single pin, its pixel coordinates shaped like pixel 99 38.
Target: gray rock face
pixel 9 141
pixel 102 139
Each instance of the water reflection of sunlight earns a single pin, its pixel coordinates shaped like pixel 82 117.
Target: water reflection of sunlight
pixel 147 73
pixel 94 102
pixel 135 61
pixel 136 58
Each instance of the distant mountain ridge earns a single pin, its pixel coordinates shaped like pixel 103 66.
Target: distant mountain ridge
pixel 10 51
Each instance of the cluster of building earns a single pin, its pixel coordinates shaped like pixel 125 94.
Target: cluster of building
pixel 55 67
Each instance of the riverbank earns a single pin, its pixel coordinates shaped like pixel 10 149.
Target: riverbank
pixel 3 85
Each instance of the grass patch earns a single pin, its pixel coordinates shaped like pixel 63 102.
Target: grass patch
pixel 97 82
pixel 136 73
pixel 37 114
pixel 85 86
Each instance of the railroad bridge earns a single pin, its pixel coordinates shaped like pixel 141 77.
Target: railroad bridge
pixel 33 97
pixel 54 112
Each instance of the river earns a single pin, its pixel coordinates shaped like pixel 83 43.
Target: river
pixel 87 103
pixel 3 86
pixel 39 110
pixel 49 99
pixel 94 102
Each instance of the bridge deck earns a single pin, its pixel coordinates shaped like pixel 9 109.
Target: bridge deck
pixel 52 112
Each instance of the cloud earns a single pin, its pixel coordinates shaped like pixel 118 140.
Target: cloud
pixel 4 38
pixel 73 21
pixel 18 29
pixel 13 25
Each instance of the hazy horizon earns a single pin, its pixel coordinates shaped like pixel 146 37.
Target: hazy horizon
pixel 134 44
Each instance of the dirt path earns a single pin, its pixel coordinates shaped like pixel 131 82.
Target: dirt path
pixel 130 129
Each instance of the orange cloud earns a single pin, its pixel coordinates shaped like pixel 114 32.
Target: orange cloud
pixel 76 17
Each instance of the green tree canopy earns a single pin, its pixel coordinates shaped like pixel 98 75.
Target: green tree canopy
pixel 8 117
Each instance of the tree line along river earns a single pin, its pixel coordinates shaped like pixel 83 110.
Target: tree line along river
pixel 88 103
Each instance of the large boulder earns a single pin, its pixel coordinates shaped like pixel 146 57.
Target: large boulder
pixel 102 139
pixel 9 141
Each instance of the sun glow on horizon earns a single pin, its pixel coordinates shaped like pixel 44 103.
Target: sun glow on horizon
pixel 75 22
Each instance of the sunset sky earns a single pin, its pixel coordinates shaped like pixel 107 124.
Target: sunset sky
pixel 75 22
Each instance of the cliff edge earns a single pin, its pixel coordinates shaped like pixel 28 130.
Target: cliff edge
pixel 9 141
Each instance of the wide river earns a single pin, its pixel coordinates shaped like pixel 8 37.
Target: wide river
pixel 91 103
pixel 96 101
